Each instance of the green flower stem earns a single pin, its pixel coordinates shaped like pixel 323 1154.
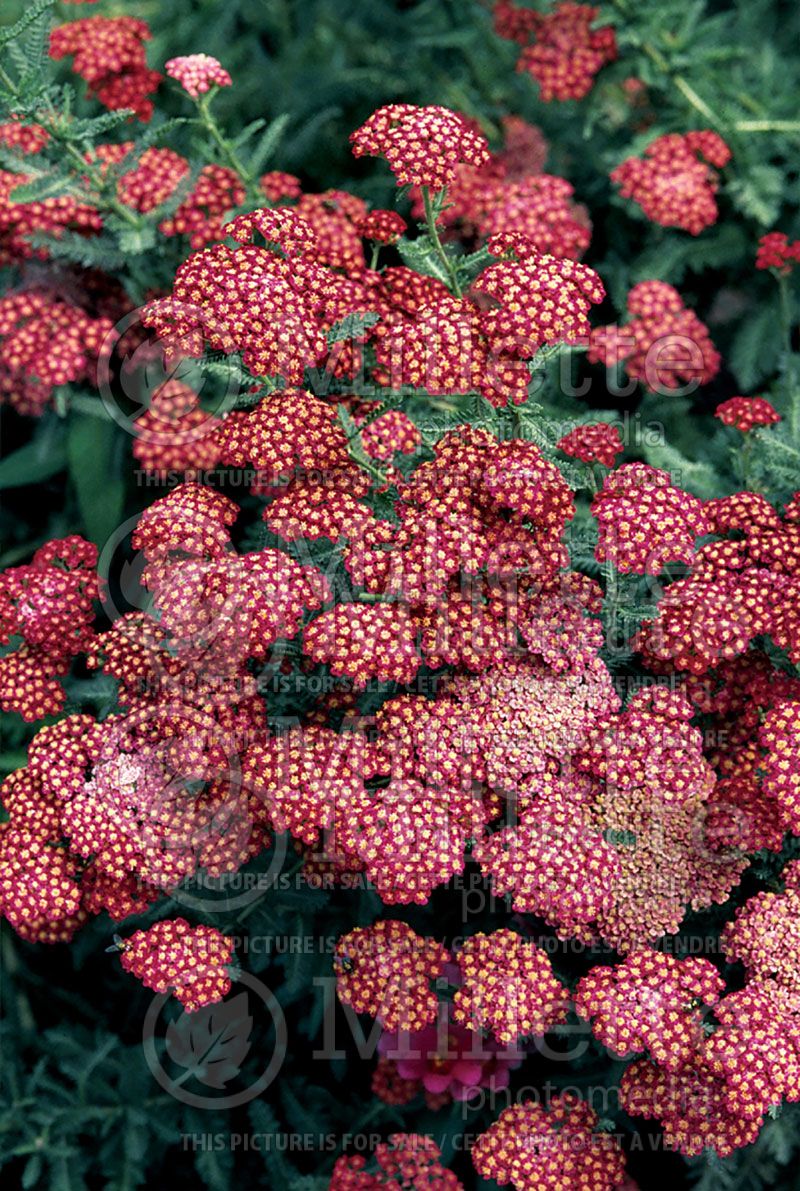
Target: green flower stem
pixel 767 125
pixel 678 81
pixel 784 289
pixel 226 150
pixel 8 82
pixel 745 456
pixel 433 232
pixel 95 176
pixel 786 313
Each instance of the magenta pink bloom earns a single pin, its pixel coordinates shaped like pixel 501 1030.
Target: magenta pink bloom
pixel 197 73
pixel 448 1058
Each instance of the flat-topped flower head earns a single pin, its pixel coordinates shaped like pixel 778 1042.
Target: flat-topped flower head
pixel 561 50
pixel 672 183
pixel 746 412
pixel 109 53
pixel 198 73
pixel 664 344
pixel 383 227
pixel 651 1002
pixel 598 443
pixel 538 1148
pixel 645 521
pixel 423 145
pixel 191 962
pixel 775 252
pixel 508 987
pixel 387 970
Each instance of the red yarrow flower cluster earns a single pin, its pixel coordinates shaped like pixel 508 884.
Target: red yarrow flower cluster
pixel 765 934
pixel 672 184
pixel 508 987
pixel 644 521
pixel 561 50
pixel 109 53
pixel 47 341
pixel 746 412
pixel 383 227
pixel 155 178
pixel 664 345
pixel 365 642
pixel 422 145
pixel 775 252
pixel 390 433
pixel 742 585
pixel 27 138
pixel 201 215
pixel 533 1148
pixel 50 216
pixel 386 970
pixel 189 962
pixel 597 443
pixel 510 193
pixel 484 341
pixel 174 434
pixel 49 604
pixel 407 1162
pixel 277 185
pixel 541 209
pixel 198 73
pixel 651 1002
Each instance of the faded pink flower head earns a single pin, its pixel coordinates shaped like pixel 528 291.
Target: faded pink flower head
pixel 197 73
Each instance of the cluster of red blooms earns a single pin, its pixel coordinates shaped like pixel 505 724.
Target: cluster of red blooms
pixel 765 934
pixel 538 1148
pixel 201 215
pixel 663 345
pixel 483 341
pixel 407 1162
pixel 109 54
pixel 741 585
pixel 744 1063
pixel 174 434
pixel 423 146
pixel 672 184
pixel 388 434
pixel 155 177
pixel 644 521
pixel 606 823
pixel 561 50
pixel 775 252
pixel 651 1002
pixel 47 341
pixel 174 957
pixel 425 337
pixel 386 970
pixel 50 216
pixel 509 193
pixel 382 227
pixel 597 443
pixel 507 987
pixel 746 412
pixel 49 604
